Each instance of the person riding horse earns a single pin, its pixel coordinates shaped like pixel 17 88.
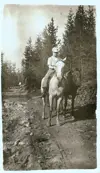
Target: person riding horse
pixel 51 64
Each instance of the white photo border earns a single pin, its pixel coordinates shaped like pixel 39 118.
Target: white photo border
pixel 96 3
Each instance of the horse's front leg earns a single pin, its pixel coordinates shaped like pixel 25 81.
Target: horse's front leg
pixel 59 100
pixel 44 104
pixel 50 110
pixel 73 107
pixel 55 105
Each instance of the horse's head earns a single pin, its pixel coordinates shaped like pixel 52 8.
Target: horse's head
pixel 60 69
pixel 73 77
pixel 76 77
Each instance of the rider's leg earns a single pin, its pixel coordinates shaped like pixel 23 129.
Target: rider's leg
pixel 47 77
pixel 46 80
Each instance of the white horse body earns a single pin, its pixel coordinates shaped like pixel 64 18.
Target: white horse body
pixel 61 85
pixel 56 90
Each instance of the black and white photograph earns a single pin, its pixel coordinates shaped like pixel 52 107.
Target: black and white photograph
pixel 49 87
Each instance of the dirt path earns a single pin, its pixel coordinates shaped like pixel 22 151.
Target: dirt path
pixel 75 151
pixel 29 144
pixel 73 144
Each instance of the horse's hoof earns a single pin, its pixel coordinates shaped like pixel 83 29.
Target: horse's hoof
pixel 73 118
pixel 65 118
pixel 61 112
pixel 49 124
pixel 43 117
pixel 58 124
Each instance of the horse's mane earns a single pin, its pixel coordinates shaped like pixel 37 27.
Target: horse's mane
pixel 60 61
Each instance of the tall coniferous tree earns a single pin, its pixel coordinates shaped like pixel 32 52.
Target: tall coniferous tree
pixel 91 39
pixel 67 47
pixel 38 63
pixel 50 36
pixel 91 22
pixel 52 31
pixel 81 28
pixel 28 60
pixel 28 53
pixel 49 41
pixel 38 48
pixel 85 38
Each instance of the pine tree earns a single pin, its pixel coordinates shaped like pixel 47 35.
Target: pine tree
pixel 49 41
pixel 52 31
pixel 68 36
pixel 85 39
pixel 5 75
pixel 69 27
pixel 9 75
pixel 81 30
pixel 29 78
pixel 80 21
pixel 38 63
pixel 28 53
pixel 91 39
pixel 38 48
pixel 91 22
pixel 79 42
pixel 50 37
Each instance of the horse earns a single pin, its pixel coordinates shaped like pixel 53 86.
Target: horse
pixel 72 83
pixel 62 84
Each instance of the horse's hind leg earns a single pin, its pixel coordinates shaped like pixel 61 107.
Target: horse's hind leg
pixel 73 107
pixel 44 104
pixel 50 110
pixel 58 110
pixel 64 106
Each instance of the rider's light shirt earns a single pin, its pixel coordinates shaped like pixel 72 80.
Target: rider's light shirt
pixel 52 62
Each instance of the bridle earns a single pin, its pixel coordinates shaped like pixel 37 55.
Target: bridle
pixel 56 71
